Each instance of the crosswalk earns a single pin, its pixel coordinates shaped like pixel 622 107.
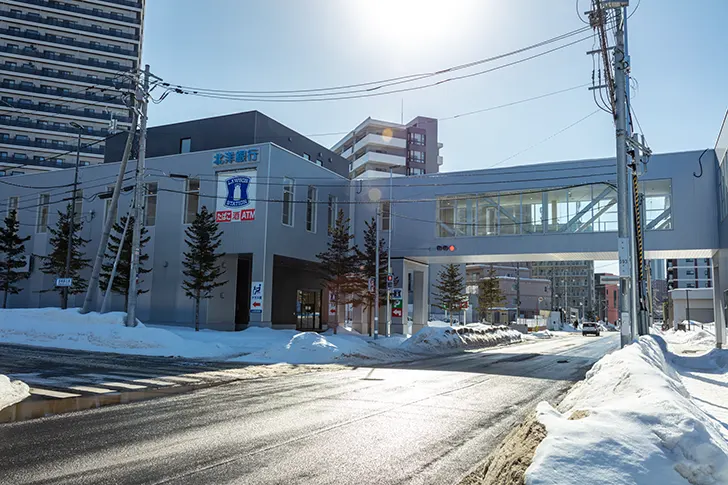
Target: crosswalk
pixel 50 385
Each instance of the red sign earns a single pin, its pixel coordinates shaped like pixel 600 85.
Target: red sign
pixel 397 312
pixel 230 216
pixel 464 305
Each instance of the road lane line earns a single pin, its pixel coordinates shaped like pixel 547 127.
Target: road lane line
pixel 49 393
pixel 95 390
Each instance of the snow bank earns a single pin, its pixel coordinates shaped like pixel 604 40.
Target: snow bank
pixel 437 339
pixel 12 391
pixel 68 329
pixel 631 421
pixel 543 334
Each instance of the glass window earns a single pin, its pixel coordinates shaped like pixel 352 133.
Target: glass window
pixel 579 208
pixel 532 212
pixel 487 220
pixel 386 214
pixel 311 196
pixel 446 217
pixel 150 204
pixel 417 138
pixel 333 212
pixel 185 145
pixel 658 204
pixel 192 199
pixel 307 156
pixel 510 214
pixel 556 211
pixel 605 209
pixel 41 225
pixel 417 156
pixel 287 207
pixel 463 220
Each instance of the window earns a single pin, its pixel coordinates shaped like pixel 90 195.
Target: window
pixel 333 212
pixel 192 199
pixel 41 225
pixel 415 171
pixel 150 205
pixel 307 156
pixel 185 145
pixel 417 156
pixel 287 208
pixel 417 138
pixel 311 208
pixel 12 205
pixel 386 216
pixel 319 163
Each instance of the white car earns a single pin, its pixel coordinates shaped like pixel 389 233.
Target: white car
pixel 590 327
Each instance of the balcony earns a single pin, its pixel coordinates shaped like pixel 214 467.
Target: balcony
pixel 48 145
pixel 66 111
pixel 55 74
pixel 126 3
pixel 19 159
pixel 379 140
pixel 68 25
pixel 54 56
pixel 60 40
pixel 58 92
pixel 37 125
pixel 379 159
pixel 81 10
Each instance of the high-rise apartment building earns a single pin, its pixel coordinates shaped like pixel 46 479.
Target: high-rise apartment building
pixel 572 283
pixel 689 273
pixel 657 267
pixel 64 68
pixel 375 147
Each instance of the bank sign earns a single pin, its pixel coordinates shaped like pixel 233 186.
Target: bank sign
pixel 235 156
pixel 236 196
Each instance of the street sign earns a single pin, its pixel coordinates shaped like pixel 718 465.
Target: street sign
pixel 396 294
pixel 609 279
pixel 64 282
pixel 372 285
pixel 256 297
pixel 332 309
pixel 397 308
pixel 464 305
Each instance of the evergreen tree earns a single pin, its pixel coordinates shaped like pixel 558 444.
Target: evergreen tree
pixel 55 263
pixel 122 278
pixel 12 248
pixel 450 288
pixel 489 293
pixel 340 264
pixel 367 269
pixel 201 266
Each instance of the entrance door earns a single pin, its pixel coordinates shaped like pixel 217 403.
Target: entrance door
pixel 308 310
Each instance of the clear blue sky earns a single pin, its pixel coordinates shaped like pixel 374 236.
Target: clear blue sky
pixel 678 52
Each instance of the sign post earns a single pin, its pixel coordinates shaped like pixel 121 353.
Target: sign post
pixel 256 297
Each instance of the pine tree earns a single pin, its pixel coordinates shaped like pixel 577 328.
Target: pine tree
pixel 12 248
pixel 55 263
pixel 340 264
pixel 367 268
pixel 122 278
pixel 489 293
pixel 201 266
pixel 450 289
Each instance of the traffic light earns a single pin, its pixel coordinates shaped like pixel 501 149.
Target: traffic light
pixel 390 281
pixel 446 247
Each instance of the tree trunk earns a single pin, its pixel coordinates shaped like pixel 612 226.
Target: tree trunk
pixel 6 287
pixel 370 312
pixel 197 311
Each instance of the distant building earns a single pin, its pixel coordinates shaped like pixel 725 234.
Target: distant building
pixel 572 283
pixel 606 298
pixel 657 267
pixel 689 273
pixel 375 147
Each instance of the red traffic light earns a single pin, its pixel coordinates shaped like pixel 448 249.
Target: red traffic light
pixel 451 248
pixel 446 248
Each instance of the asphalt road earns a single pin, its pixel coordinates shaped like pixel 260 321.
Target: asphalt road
pixel 423 422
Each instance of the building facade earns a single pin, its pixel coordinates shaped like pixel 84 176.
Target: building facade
pixel 689 273
pixel 65 71
pixel 572 283
pixel 375 147
pixel 606 307
pixel 657 269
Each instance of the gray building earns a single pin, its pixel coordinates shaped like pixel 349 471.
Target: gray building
pixel 64 70
pixel 657 267
pixel 572 283
pixel 689 273
pixel 375 147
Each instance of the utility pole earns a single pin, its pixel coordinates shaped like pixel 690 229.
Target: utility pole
pixel 518 291
pixel 376 276
pixel 69 243
pixel 389 259
pixel 107 293
pixel 138 198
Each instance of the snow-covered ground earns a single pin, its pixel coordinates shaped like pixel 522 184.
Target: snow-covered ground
pixel 643 415
pixel 12 391
pixel 69 329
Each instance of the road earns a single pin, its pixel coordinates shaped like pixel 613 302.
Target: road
pixel 422 422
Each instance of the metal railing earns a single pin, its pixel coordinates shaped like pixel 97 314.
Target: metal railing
pixel 63 58
pixel 30 161
pixel 62 146
pixel 68 24
pixel 108 98
pixel 67 111
pixel 85 11
pixel 61 40
pixel 38 125
pixel 55 74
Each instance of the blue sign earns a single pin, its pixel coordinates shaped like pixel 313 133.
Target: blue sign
pixel 239 156
pixel 237 191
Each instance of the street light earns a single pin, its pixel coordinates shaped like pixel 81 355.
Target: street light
pixel 69 242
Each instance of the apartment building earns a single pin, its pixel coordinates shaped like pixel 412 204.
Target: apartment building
pixel 572 283
pixel 657 267
pixel 375 147
pixel 64 72
pixel 689 273
pixel 606 303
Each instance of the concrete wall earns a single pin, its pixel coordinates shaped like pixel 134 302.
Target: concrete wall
pixel 700 302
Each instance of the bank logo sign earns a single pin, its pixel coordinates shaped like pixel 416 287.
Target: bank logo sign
pixel 236 156
pixel 236 196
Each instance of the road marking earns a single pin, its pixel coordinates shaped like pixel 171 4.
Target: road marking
pixel 49 393
pixel 96 390
pixel 155 382
pixel 184 380
pixel 123 385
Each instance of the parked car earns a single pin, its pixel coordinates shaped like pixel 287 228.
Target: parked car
pixel 590 327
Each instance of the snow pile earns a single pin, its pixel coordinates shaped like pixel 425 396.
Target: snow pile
pixel 543 334
pixel 632 421
pixel 437 339
pixel 697 337
pixel 68 329
pixel 12 391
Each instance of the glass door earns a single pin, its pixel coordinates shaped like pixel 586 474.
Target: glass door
pixel 308 310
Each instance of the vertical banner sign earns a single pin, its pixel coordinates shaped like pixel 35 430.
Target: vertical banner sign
pixel 397 308
pixel 236 196
pixel 332 304
pixel 256 297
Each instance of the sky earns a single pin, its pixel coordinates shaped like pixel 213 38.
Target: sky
pixel 677 54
